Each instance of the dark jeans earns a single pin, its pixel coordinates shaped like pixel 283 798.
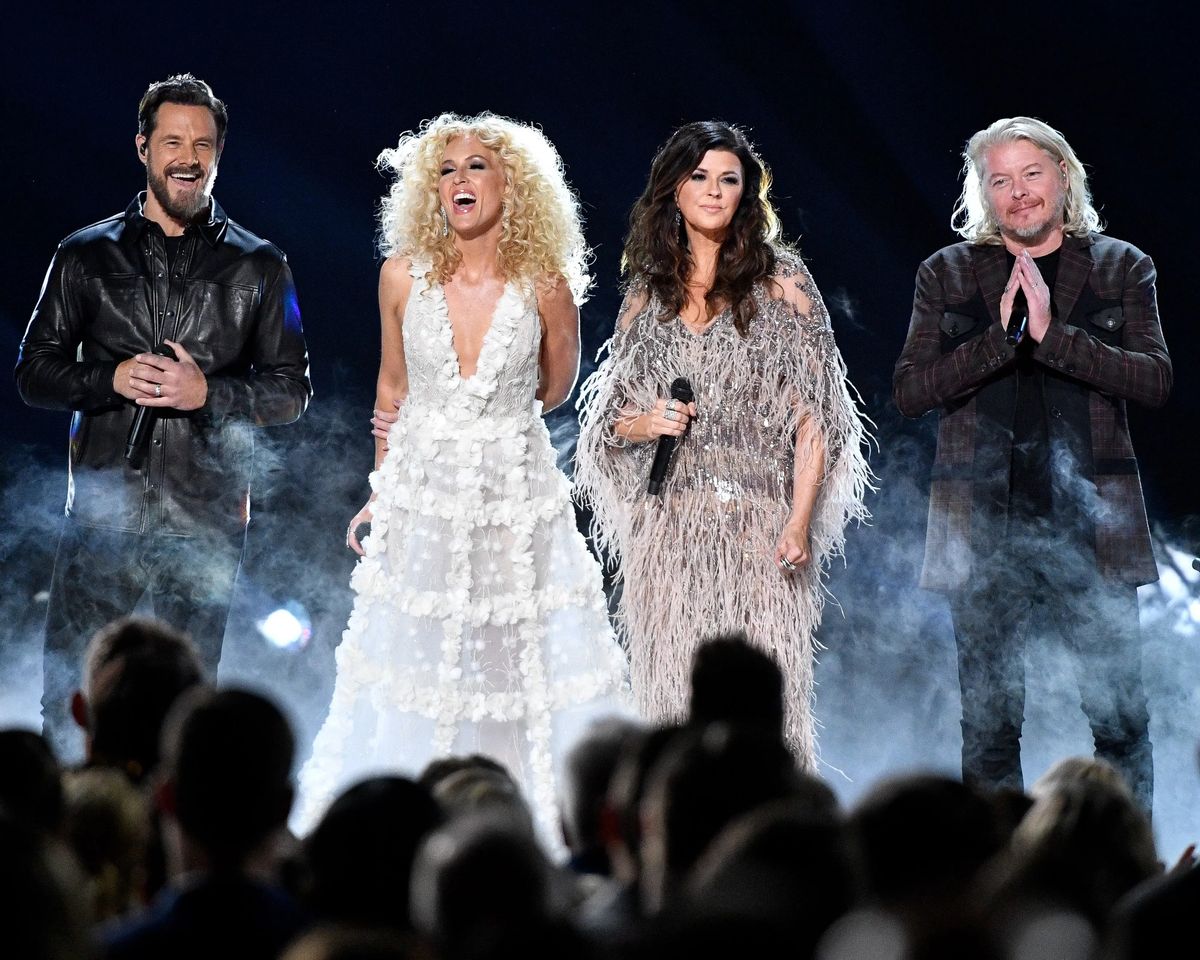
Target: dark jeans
pixel 1098 622
pixel 100 575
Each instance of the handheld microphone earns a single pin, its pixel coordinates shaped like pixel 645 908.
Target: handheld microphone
pixel 1018 320
pixel 680 390
pixel 145 418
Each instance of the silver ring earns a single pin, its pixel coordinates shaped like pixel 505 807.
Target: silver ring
pixel 670 414
pixel 158 389
pixel 672 405
pixel 787 564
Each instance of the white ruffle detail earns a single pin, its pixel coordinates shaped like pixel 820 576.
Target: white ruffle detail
pixel 479 623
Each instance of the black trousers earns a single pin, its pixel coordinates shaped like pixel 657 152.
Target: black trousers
pixel 1098 622
pixel 100 575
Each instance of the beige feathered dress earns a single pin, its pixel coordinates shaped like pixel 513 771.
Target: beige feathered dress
pixel 699 561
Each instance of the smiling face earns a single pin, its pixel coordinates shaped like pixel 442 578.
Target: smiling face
pixel 471 187
pixel 181 162
pixel 1026 190
pixel 710 195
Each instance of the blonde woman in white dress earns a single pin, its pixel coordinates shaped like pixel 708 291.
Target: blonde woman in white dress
pixel 479 623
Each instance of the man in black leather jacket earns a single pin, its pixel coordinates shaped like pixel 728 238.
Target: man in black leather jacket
pixel 166 516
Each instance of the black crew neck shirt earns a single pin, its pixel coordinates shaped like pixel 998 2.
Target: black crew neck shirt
pixel 1029 486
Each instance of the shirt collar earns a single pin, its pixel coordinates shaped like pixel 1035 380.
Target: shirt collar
pixel 212 229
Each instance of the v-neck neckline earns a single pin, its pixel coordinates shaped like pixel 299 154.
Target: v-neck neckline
pixel 483 343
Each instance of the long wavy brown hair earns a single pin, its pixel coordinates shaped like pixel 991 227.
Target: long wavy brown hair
pixel 656 250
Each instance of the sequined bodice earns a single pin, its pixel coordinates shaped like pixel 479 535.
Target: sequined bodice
pixel 738 444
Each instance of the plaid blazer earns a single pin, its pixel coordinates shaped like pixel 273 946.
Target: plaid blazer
pixel 1104 346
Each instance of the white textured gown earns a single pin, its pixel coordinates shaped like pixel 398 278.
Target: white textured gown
pixel 479 623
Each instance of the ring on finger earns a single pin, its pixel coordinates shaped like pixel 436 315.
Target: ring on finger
pixel 158 389
pixel 787 564
pixel 670 413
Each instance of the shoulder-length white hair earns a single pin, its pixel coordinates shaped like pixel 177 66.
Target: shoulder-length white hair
pixel 973 218
pixel 542 234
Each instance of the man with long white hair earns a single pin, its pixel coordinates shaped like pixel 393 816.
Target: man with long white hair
pixel 1029 337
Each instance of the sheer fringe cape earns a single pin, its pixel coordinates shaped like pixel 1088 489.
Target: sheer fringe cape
pixel 699 561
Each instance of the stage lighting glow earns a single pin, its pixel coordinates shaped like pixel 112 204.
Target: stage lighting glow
pixel 287 628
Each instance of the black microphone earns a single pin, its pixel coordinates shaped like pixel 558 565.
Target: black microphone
pixel 145 418
pixel 1018 320
pixel 680 390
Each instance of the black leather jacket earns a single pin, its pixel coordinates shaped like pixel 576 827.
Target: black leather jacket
pixel 230 302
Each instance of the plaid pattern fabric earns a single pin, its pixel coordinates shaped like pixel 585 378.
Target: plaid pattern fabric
pixel 1105 341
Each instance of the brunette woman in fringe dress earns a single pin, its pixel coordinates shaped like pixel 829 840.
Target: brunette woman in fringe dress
pixel 768 466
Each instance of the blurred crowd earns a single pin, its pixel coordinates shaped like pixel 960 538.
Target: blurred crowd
pixel 705 839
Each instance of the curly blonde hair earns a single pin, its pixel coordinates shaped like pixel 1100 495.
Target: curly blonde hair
pixel 542 231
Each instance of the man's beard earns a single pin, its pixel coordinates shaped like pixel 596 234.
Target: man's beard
pixel 1036 231
pixel 183 209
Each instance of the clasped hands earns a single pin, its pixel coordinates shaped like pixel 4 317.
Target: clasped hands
pixel 153 381
pixel 1027 277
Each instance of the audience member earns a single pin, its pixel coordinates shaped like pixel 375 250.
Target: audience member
pixel 735 682
pixel 473 787
pixel 483 890
pixel 704 780
pixel 351 943
pixel 134 670
pixel 30 781
pixel 1071 770
pixel 1080 849
pixel 615 911
pixel 589 771
pixel 923 840
pixel 359 857
pixel 443 767
pixel 108 829
pixel 225 791
pixel 44 916
pixel 786 866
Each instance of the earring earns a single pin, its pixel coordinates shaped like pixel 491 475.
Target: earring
pixel 445 223
pixel 678 217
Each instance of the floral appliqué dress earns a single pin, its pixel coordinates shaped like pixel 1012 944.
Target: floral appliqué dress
pixel 479 623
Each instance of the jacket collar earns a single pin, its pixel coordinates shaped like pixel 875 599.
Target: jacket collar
pixel 212 229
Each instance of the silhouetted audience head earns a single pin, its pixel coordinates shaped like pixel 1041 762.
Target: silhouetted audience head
pixel 588 772
pixel 621 819
pixel 1081 847
pixel 704 780
pixel 30 782
pixel 787 865
pixel 227 758
pixel 923 840
pixel 108 829
pixel 735 682
pixel 360 856
pixel 353 943
pixel 1071 770
pixel 443 767
pixel 476 789
pixel 481 888
pixel 134 670
pixel 44 916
